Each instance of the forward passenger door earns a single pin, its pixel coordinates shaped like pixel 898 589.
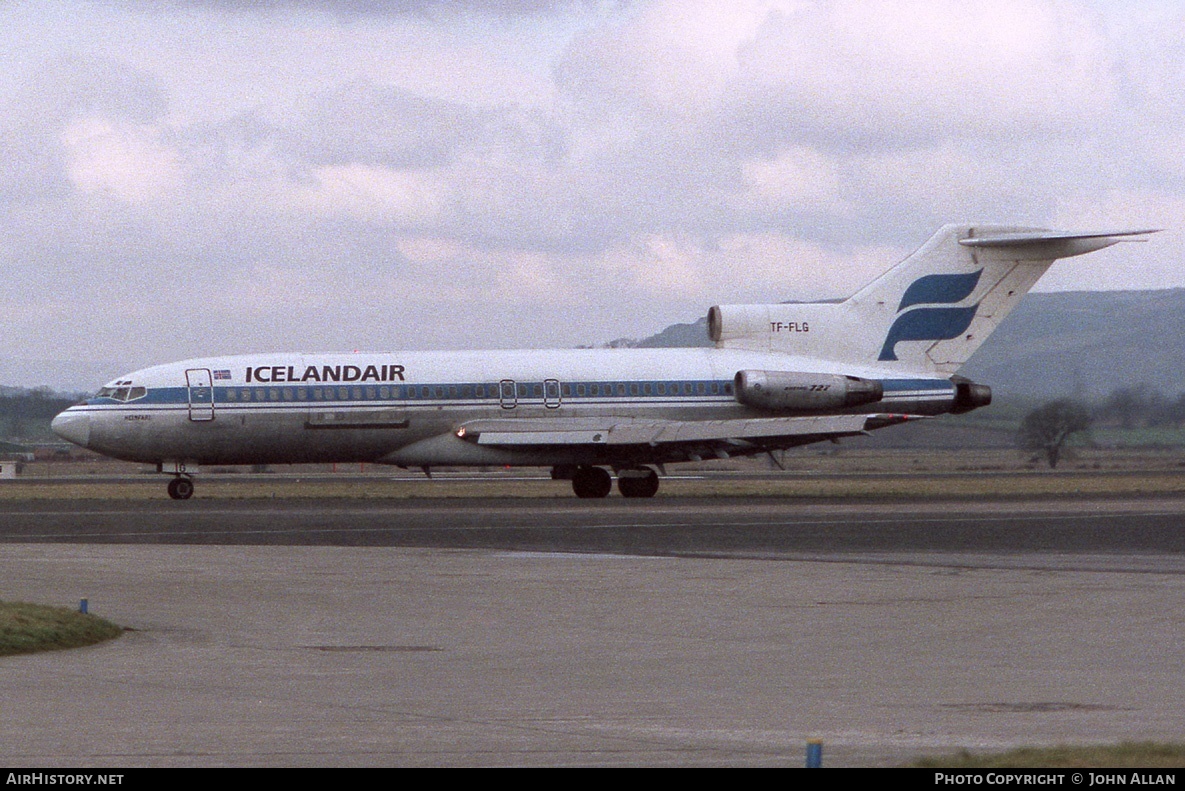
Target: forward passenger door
pixel 201 394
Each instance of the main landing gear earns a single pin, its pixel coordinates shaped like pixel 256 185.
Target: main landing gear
pixel 640 482
pixel 591 482
pixel 181 487
pixel 595 482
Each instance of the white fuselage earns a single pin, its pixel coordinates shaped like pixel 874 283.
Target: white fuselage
pixel 402 408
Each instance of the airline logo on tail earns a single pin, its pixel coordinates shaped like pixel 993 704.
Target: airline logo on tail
pixel 927 323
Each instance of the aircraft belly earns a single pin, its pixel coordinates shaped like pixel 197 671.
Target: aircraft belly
pixel 307 436
pixel 242 437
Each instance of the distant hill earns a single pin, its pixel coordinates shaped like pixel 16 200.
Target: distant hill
pixel 1082 343
pixel 679 336
pixel 1087 343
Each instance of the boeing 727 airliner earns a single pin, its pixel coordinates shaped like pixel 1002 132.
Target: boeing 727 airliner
pixel 780 375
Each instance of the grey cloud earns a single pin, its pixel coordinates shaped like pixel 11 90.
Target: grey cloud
pixel 387 8
pixel 47 99
pixel 387 126
pixel 69 87
pixel 841 82
pixel 841 86
pixel 381 126
pixel 609 163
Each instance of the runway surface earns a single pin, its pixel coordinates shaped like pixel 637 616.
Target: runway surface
pixel 708 631
pixel 771 527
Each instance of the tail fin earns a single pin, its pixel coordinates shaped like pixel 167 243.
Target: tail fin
pixel 927 314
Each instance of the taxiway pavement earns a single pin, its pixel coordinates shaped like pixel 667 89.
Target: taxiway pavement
pixel 537 632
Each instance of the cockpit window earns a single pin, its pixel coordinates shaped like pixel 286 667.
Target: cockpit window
pixel 122 393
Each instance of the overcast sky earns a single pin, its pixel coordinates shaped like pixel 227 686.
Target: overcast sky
pixel 188 178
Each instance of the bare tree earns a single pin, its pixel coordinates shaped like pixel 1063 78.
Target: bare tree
pixel 1046 429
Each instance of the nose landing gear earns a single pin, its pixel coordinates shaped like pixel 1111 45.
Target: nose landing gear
pixel 181 487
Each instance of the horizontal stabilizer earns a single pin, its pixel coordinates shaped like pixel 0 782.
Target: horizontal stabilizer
pixel 1050 245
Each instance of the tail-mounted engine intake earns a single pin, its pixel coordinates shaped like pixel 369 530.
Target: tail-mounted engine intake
pixel 728 322
pixel 799 392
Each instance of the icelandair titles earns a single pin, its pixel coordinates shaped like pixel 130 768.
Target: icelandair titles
pixel 325 373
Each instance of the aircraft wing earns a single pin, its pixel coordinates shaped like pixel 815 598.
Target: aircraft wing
pixel 624 431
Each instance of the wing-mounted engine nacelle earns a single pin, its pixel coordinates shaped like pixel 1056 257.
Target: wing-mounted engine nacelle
pixel 801 392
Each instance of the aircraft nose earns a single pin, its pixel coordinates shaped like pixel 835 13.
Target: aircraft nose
pixel 73 426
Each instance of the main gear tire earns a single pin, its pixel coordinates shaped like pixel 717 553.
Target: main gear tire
pixel 591 482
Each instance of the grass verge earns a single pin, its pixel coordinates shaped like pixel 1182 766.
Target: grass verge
pixel 1128 755
pixel 27 628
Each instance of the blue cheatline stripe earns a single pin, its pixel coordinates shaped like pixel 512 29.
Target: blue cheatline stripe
pixel 484 392
pixel 305 407
pixel 939 289
pixel 673 393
